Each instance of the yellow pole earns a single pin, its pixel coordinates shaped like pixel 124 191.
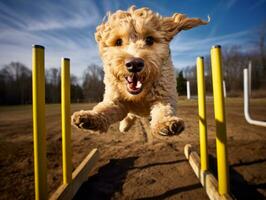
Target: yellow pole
pixel 219 112
pixel 39 132
pixel 202 114
pixel 66 129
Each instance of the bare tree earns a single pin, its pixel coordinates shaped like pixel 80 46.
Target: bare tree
pixel 16 80
pixel 262 33
pixel 52 85
pixel 92 84
pixel 262 55
pixel 233 63
pixel 76 90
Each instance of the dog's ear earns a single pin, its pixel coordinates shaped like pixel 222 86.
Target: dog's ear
pixel 178 22
pixel 98 33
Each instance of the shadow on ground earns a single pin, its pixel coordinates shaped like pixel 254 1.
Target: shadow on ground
pixel 111 177
pixel 107 181
pixel 239 187
pixel 173 192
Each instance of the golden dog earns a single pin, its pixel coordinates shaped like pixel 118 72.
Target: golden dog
pixel 139 75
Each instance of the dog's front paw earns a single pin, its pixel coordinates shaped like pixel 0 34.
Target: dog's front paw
pixel 89 120
pixel 174 126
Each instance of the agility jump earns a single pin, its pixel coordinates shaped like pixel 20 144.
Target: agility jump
pixel 201 165
pixel 71 181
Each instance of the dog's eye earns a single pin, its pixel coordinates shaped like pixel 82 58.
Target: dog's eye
pixel 149 40
pixel 118 42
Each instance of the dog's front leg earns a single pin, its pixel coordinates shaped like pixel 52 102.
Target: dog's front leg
pixel 100 117
pixel 164 120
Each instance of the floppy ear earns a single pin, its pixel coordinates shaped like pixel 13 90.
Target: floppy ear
pixel 178 22
pixel 98 33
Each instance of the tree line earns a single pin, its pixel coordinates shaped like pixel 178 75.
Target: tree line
pixel 16 85
pixel 16 78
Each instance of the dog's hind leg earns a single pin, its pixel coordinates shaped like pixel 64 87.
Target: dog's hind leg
pixel 127 122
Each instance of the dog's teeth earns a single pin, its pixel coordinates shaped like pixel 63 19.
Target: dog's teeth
pixel 129 79
pixel 138 85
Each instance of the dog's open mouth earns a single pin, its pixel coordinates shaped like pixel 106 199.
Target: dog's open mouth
pixel 134 84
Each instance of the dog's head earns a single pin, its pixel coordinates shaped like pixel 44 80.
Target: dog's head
pixel 134 46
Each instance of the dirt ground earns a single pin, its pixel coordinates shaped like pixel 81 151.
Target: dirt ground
pixel 134 165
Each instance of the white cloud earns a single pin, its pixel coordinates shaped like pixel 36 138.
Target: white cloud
pixel 67 30
pixel 184 44
pixel 185 50
pixel 52 16
pixel 63 30
pixel 18 48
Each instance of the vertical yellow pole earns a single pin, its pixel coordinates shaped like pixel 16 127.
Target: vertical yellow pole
pixel 39 132
pixel 219 112
pixel 66 129
pixel 202 114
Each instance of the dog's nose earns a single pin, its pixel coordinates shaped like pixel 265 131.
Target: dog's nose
pixel 134 64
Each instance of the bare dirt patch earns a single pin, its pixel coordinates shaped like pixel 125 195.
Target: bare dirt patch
pixel 131 165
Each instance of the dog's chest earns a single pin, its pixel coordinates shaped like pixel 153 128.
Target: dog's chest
pixel 141 108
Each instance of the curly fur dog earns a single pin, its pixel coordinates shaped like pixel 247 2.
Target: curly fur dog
pixel 139 76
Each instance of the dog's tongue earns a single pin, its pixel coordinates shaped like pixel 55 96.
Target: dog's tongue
pixel 134 82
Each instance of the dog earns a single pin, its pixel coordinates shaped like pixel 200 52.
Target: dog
pixel 139 75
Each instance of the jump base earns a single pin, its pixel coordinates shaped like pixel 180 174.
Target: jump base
pixel 68 191
pixel 207 180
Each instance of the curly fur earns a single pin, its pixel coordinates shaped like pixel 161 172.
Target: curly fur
pixel 158 97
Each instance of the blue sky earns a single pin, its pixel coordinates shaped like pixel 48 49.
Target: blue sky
pixel 66 28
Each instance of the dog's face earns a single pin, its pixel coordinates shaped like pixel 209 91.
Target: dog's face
pixel 134 46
